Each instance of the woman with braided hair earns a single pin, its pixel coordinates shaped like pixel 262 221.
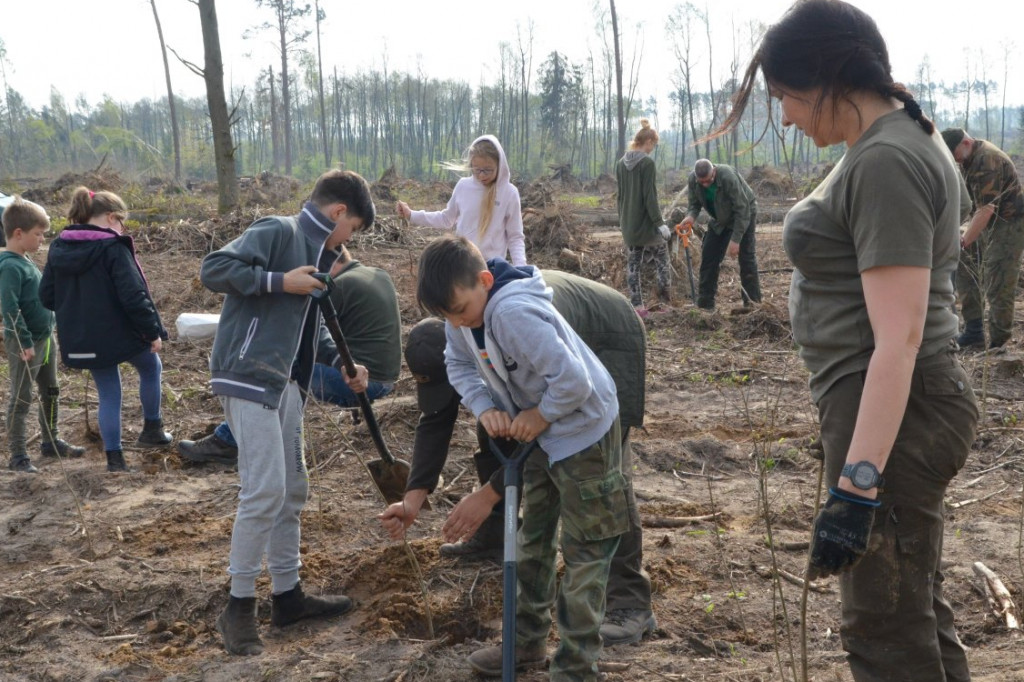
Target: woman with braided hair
pixel 874 247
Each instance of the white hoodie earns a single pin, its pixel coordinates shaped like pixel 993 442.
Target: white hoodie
pixel 504 236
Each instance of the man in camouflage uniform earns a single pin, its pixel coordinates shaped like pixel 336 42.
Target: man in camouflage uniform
pixel 730 202
pixel 993 241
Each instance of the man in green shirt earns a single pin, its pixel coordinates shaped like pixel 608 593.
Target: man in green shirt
pixel 730 202
pixel 992 244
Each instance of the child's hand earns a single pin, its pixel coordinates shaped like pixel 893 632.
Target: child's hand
pixel 528 424
pixel 359 382
pixel 468 514
pixel 402 209
pixel 301 281
pixel 496 423
pixel 28 354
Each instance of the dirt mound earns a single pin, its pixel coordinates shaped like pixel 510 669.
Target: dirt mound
pixel 604 185
pixel 765 321
pixel 265 189
pixel 61 190
pixel 770 181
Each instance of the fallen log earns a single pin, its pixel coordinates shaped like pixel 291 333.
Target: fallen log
pixel 998 596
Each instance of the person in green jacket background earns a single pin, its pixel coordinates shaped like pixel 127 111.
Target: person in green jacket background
pixel 730 202
pixel 643 229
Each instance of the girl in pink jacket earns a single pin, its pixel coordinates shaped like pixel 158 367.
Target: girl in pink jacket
pixel 484 207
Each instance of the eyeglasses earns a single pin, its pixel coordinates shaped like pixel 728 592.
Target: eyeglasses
pixel 483 172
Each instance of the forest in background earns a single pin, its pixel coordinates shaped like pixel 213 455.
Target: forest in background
pixel 303 116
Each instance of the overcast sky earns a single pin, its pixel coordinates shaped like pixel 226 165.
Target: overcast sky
pixel 100 47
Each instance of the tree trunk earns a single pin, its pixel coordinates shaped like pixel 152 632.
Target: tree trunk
pixel 320 88
pixel 220 119
pixel 621 147
pixel 175 134
pixel 286 97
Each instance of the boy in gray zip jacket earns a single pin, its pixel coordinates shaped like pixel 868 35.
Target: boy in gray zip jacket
pixel 270 334
pixel 526 375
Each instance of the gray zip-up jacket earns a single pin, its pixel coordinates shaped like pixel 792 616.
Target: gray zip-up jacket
pixel 537 360
pixel 266 336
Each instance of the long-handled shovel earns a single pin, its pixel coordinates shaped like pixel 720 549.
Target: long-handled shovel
pixel 390 474
pixel 513 481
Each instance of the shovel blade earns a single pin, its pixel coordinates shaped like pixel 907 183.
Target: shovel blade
pixel 390 477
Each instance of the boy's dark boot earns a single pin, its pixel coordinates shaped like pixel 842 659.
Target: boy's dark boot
pixel 23 464
pixel 237 625
pixel 292 606
pixel 487 661
pixel 208 449
pixel 973 335
pixel 627 626
pixel 115 461
pixel 487 542
pixel 62 448
pixel 153 435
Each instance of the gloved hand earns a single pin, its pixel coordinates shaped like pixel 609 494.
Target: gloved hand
pixel 664 232
pixel 841 533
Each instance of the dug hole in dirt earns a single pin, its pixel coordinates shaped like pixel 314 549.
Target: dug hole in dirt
pixel 121 577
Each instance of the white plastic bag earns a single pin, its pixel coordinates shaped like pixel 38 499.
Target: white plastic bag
pixel 197 326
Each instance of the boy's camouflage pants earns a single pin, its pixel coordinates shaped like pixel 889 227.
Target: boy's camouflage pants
pixel 42 371
pixel 586 492
pixel 992 264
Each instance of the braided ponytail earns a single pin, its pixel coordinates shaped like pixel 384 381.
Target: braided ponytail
pixel 910 105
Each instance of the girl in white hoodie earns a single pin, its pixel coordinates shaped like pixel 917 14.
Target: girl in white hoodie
pixel 484 207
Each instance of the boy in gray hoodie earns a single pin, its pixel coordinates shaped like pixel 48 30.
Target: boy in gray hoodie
pixel 526 375
pixel 269 336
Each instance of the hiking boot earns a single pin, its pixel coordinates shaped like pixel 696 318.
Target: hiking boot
pixel 237 625
pixel 208 449
pixel 627 626
pixel 62 448
pixel 153 435
pixel 115 461
pixel 486 543
pixel 973 335
pixel 487 661
pixel 292 606
pixel 23 464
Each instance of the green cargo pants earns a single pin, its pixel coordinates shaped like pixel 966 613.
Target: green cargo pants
pixel 586 492
pixel 992 265
pixel 896 625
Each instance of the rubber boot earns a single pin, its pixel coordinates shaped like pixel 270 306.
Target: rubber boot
pixel 115 461
pixel 153 435
pixel 973 334
pixel 237 625
pixel 292 606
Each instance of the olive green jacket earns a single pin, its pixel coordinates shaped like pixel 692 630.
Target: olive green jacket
pixel 735 206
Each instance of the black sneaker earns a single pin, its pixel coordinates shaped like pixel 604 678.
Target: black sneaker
pixel 62 448
pixel 22 464
pixel 208 449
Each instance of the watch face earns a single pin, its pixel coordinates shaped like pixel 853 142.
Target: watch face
pixel 864 476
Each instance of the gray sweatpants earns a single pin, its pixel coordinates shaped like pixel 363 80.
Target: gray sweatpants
pixel 272 470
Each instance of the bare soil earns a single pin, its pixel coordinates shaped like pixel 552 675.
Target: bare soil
pixel 121 576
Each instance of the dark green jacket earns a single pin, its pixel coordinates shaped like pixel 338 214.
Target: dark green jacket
pixel 735 205
pixel 607 323
pixel 639 215
pixel 24 314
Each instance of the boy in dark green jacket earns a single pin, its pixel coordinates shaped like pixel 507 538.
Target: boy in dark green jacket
pixel 28 336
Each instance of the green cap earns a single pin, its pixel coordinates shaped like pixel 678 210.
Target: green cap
pixel 953 137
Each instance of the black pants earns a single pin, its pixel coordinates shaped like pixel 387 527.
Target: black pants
pixel 713 252
pixel 629 586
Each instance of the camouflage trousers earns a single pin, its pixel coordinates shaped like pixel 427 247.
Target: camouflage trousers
pixel 992 265
pixel 896 624
pixel 586 492
pixel 634 264
pixel 42 371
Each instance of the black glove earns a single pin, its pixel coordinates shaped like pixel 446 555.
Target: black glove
pixel 841 533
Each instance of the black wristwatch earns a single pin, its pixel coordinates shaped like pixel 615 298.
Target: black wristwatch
pixel 863 475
